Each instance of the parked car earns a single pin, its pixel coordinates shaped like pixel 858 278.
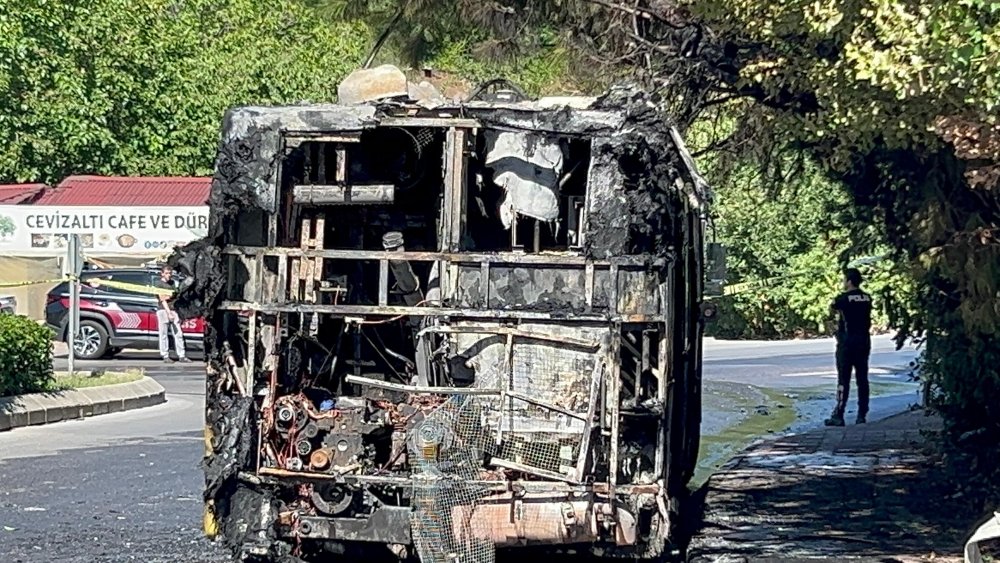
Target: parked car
pixel 8 304
pixel 112 319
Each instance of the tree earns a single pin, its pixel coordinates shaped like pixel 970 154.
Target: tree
pixel 7 227
pixel 896 99
pixel 126 87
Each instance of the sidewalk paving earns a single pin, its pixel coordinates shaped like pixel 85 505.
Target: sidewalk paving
pixel 870 492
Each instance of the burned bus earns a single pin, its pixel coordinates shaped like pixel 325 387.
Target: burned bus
pixel 436 332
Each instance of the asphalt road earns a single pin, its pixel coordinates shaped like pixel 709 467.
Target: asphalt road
pixel 119 487
pixel 127 486
pixel 802 371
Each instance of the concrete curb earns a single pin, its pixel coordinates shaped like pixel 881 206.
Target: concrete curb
pixel 46 408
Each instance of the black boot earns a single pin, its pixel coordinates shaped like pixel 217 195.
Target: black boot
pixel 862 419
pixel 834 420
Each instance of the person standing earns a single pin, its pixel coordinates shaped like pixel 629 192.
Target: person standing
pixel 167 319
pixel 854 346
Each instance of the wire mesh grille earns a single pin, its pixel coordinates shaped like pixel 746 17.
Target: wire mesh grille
pixel 451 446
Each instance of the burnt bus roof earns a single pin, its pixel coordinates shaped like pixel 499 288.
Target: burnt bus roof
pixel 641 171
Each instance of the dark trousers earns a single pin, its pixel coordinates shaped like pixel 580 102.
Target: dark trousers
pixel 854 357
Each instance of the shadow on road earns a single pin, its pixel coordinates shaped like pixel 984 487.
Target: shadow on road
pixel 797 499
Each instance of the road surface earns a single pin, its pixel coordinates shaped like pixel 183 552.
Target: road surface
pixel 127 487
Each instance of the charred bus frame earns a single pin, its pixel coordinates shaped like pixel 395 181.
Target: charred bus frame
pixel 518 353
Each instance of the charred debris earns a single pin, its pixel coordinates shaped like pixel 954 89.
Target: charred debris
pixel 439 329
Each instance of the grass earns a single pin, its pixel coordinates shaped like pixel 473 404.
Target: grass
pixel 716 449
pixel 64 382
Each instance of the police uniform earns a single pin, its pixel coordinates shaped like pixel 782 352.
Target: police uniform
pixel 854 346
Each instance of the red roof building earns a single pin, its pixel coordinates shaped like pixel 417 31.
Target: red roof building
pixel 13 194
pixel 144 191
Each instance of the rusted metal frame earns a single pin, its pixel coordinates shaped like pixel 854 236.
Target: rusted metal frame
pixel 389 386
pixel 428 311
pixel 385 525
pixel 293 139
pixel 521 333
pixel 507 387
pixel 295 283
pixel 343 194
pixel 664 384
pixel 614 391
pixel 549 487
pixel 272 229
pixel 595 122
pixel 252 350
pixel 230 262
pixel 595 396
pixel 632 349
pixel 538 472
pixel 438 122
pixel 282 290
pixel 646 361
pixel 545 405
pixel 613 289
pixel 341 164
pixel 484 274
pixel 318 242
pixel 320 164
pixel 588 284
pixel 541 259
pixel 257 290
pixel 455 186
pixel 383 282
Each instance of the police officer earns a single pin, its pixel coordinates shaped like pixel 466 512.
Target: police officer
pixel 854 345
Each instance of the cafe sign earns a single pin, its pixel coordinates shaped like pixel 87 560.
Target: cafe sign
pixel 44 230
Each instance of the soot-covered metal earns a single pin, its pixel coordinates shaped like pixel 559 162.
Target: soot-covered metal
pixel 443 332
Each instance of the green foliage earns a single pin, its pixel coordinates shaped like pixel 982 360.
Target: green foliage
pixel 7 226
pixel 25 355
pixel 881 70
pixel 126 87
pixel 796 237
pixel 899 100
pixel 542 72
pixel 535 46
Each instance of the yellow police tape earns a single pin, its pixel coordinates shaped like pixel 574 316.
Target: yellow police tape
pixel 733 289
pixel 4 285
pixel 97 283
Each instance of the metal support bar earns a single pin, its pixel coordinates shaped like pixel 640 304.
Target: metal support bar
pixel 321 194
pixel 613 289
pixel 431 311
pixel 282 289
pixel 541 259
pixel 521 333
pixel 252 350
pixel 543 473
pixel 664 389
pixel 341 164
pixel 368 382
pixel 588 283
pixel 383 282
pixel 459 122
pixel 484 284
pixel 595 392
pixel 545 405
pixel 614 399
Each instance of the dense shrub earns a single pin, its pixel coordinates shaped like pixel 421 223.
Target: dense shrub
pixel 25 355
